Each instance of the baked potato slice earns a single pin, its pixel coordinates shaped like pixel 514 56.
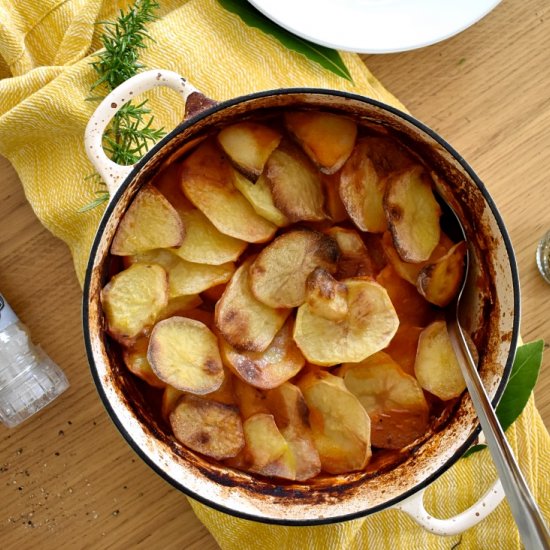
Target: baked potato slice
pixel 402 348
pixel 369 326
pixel 167 182
pixel 204 244
pixel 132 300
pixel 190 278
pixel 439 282
pixel 336 211
pixel 354 260
pixel 150 222
pixel 208 427
pixel 208 181
pixel 270 368
pixel 170 398
pixel 135 358
pixel 436 367
pixel 179 306
pixel 295 184
pixel 250 400
pixel 339 424
pixel 394 400
pixel 325 296
pixel 413 214
pixel 248 145
pixel 327 139
pixel 246 323
pixel 184 353
pixel 278 275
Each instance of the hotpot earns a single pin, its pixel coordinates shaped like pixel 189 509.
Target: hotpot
pixel 491 316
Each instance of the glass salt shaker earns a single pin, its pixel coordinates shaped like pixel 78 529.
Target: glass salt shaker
pixel 543 257
pixel 29 379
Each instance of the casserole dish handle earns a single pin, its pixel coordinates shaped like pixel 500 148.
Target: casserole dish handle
pixel 114 174
pixel 414 507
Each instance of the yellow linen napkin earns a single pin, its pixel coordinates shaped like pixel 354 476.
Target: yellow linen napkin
pixel 45 49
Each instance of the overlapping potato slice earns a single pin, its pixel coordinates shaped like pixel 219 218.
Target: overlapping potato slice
pixel 189 278
pixel 291 414
pixel 278 275
pixel 170 398
pixel 259 195
pixel 268 369
pixel 339 424
pixel 204 244
pixel 267 451
pixel 204 316
pixel 362 190
pixel 133 298
pixel 208 181
pixel 245 322
pixel 440 281
pixel 411 307
pixel 295 184
pixel 208 427
pixel 386 154
pixel 354 260
pixel 436 367
pixel 312 128
pixel 334 206
pixel 402 348
pixel 325 296
pixel 184 353
pixel 135 358
pixel 394 401
pixel 368 327
pixel 167 182
pixel 250 400
pixel 150 222
pixel 412 213
pixel 180 305
pixel 248 144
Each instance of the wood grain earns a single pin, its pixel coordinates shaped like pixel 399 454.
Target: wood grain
pixel 69 480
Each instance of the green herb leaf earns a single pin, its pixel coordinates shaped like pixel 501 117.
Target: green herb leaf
pixel 523 378
pixel 326 57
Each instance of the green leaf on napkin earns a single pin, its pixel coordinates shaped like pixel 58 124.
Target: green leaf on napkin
pixel 523 378
pixel 326 57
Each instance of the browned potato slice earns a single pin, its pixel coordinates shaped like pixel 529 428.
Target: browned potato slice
pixel 248 145
pixel 184 353
pixel 270 368
pixel 189 278
pixel 290 411
pixel 278 275
pixel 250 400
pixel 355 260
pixel 259 196
pixel 180 305
pixel 436 367
pixel 197 314
pixel 167 182
pixel 150 222
pixel 339 424
pixel 394 401
pixel 325 296
pixel 413 214
pixel 160 256
pixel 204 244
pixel 402 348
pixel 133 298
pixel 327 139
pixel 386 154
pixel 208 427
pixel 362 191
pixel 333 203
pixel 208 181
pixel 170 398
pixel 224 394
pixel 368 327
pixel 407 270
pixel 411 307
pixel 439 282
pixel 266 449
pixel 245 322
pixel 295 184
pixel 135 358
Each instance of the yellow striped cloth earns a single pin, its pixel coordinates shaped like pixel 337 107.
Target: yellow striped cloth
pixel 45 49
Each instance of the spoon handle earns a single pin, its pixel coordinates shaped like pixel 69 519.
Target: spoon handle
pixel 532 528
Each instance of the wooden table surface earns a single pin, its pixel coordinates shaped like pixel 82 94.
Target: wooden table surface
pixel 68 479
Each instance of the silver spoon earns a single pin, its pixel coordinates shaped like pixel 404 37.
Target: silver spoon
pixel 532 528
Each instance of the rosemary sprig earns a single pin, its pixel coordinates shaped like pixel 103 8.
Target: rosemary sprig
pixel 131 131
